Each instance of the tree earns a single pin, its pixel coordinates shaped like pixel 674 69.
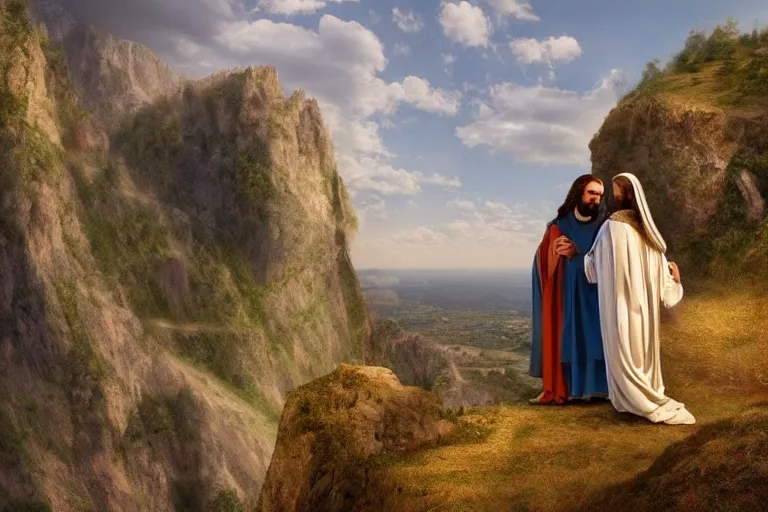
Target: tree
pixel 763 37
pixel 721 44
pixel 651 72
pixel 731 28
pixel 692 54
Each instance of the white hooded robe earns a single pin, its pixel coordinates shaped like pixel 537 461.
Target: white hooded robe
pixel 628 264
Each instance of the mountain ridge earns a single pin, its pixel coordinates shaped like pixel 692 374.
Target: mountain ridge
pixel 171 268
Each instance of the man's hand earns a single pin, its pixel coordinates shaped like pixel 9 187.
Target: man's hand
pixel 565 247
pixel 675 271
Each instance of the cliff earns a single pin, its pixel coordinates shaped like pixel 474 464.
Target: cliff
pixel 333 432
pixel 111 77
pixel 415 360
pixel 696 135
pixel 164 280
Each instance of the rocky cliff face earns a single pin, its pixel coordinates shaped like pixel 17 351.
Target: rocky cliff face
pixel 415 360
pixel 696 136
pixel 111 77
pixel 158 300
pixel 333 429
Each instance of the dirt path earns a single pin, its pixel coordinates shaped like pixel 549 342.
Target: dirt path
pixel 192 328
pixel 456 374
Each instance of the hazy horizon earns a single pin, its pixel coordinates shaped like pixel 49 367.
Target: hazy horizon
pixel 458 289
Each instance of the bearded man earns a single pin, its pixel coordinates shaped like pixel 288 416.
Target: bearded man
pixel 566 345
pixel 634 279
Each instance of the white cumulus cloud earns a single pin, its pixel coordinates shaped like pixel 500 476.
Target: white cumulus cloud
pixel 465 24
pixel 369 173
pixel 401 49
pixel 292 7
pixel 418 92
pixel 375 206
pixel 514 8
pixel 461 204
pixel 542 125
pixel 553 49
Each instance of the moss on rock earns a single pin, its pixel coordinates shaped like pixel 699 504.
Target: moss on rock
pixel 333 429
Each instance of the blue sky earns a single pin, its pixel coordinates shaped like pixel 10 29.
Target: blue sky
pixel 457 125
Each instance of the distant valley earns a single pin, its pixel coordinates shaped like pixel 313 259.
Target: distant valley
pixel 479 290
pixel 480 318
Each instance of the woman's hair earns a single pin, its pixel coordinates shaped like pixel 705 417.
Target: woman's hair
pixel 627 199
pixel 575 194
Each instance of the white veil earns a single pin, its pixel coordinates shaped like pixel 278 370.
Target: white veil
pixel 645 212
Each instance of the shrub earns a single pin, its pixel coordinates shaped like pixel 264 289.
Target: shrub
pixel 692 54
pixel 226 501
pixel 252 175
pixel 651 72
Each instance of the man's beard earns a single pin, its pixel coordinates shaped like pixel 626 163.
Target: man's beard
pixel 588 209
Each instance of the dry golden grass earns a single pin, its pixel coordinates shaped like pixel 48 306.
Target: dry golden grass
pixel 704 89
pixel 718 344
pixel 558 458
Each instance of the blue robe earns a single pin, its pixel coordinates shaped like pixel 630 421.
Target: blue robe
pixel 582 346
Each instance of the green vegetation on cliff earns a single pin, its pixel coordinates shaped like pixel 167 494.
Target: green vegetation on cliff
pixel 735 244
pixel 722 68
pixel 30 152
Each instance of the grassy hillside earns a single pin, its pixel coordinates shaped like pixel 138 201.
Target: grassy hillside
pixel 523 457
pixel 723 68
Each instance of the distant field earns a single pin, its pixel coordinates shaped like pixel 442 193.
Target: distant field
pixel 483 309
pixel 477 290
pixel 482 318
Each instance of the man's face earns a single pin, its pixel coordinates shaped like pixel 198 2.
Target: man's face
pixel 590 199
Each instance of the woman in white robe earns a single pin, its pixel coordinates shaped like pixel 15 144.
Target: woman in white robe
pixel 634 279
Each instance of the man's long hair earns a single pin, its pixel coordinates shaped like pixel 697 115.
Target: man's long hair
pixel 575 194
pixel 628 199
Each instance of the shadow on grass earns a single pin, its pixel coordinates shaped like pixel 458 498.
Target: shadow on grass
pixel 723 467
